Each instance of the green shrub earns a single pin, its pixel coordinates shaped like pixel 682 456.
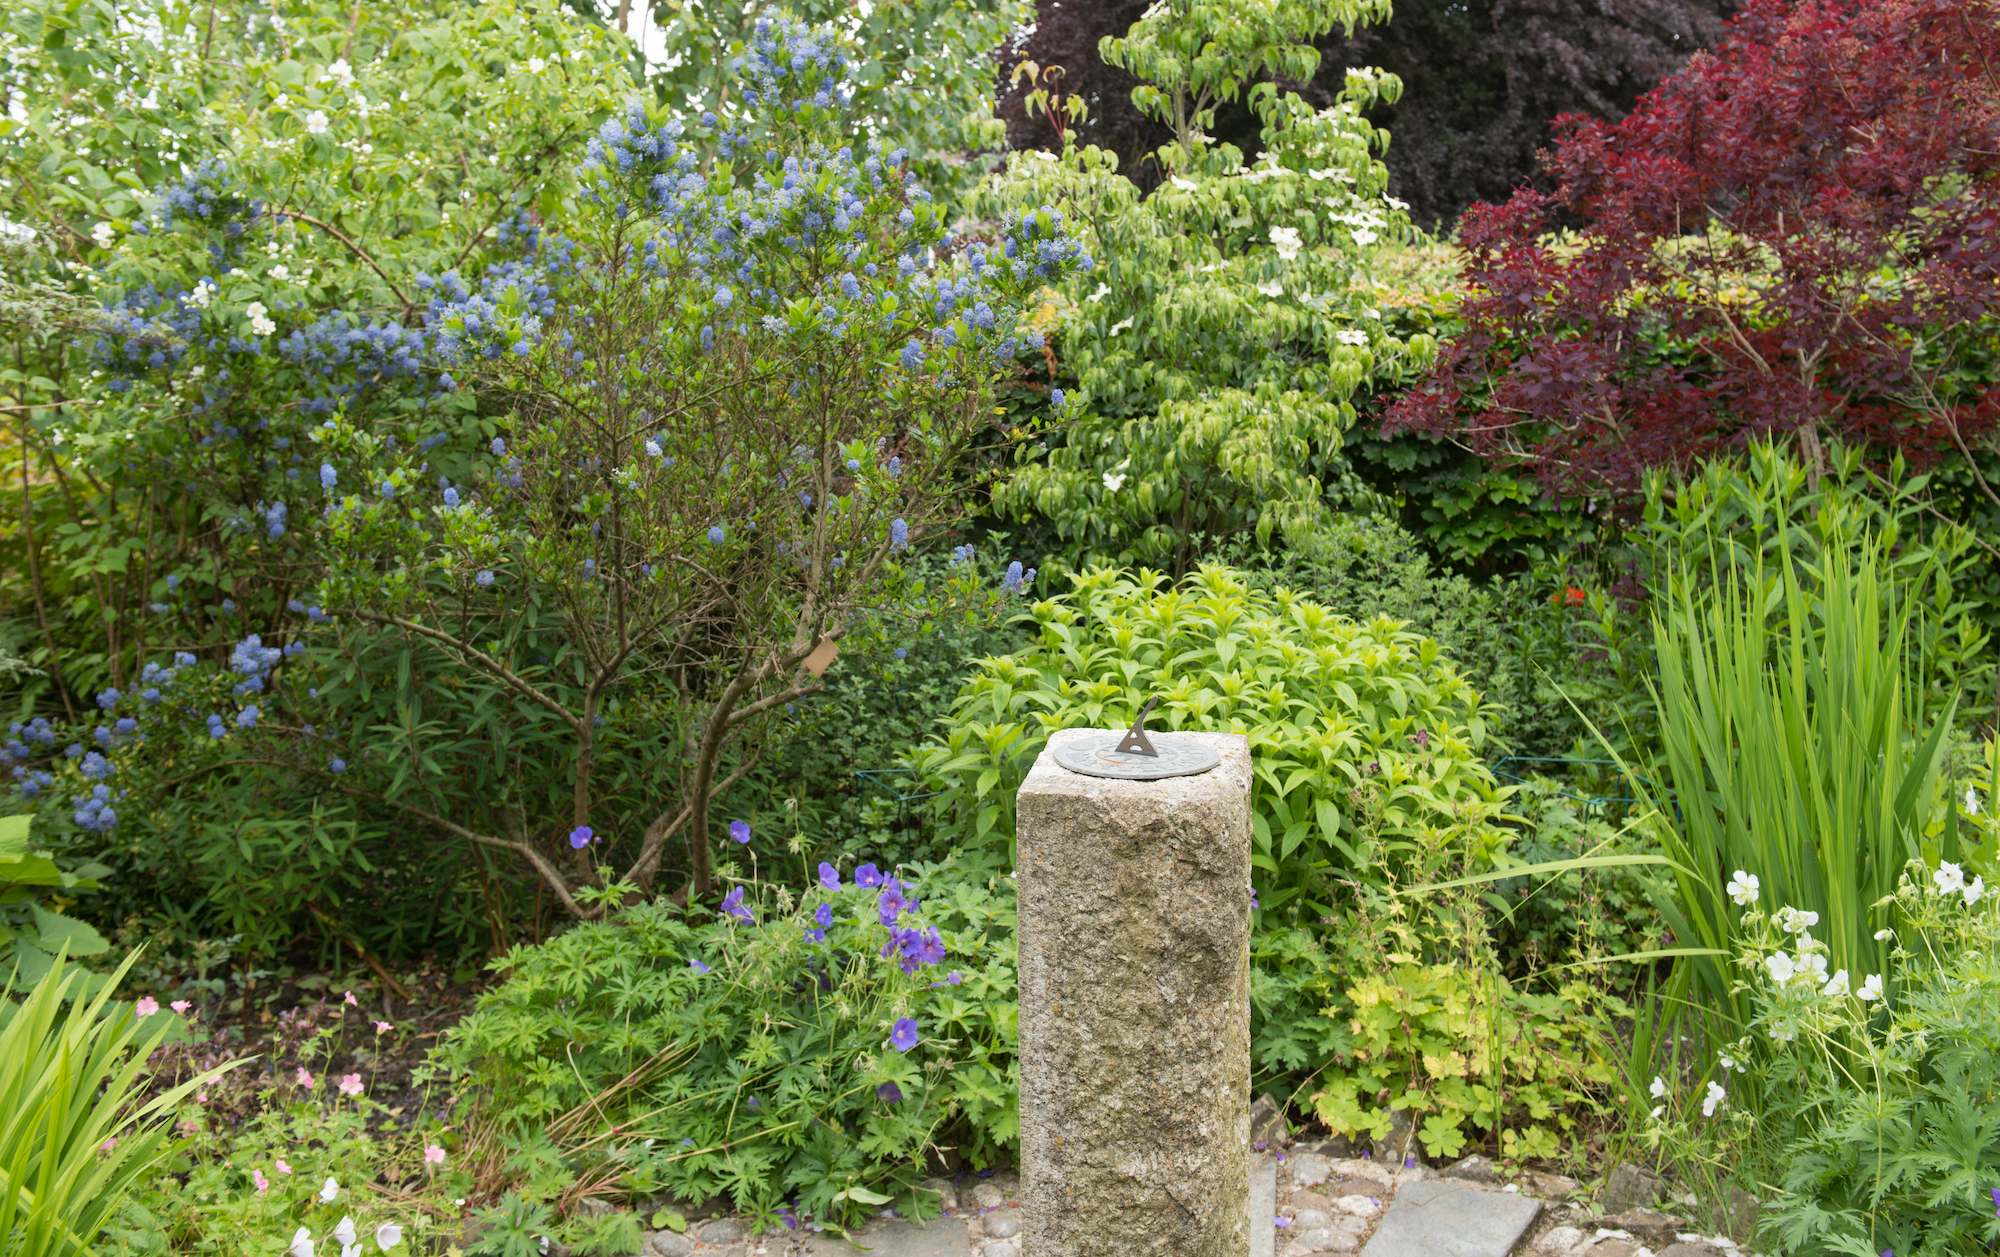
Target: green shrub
pixel 757 1054
pixel 1365 739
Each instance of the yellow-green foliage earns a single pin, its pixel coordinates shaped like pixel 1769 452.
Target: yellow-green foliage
pixel 1457 1047
pixel 1365 739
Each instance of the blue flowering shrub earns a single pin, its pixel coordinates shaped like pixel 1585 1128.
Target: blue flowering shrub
pixel 1365 740
pixel 799 1055
pixel 739 386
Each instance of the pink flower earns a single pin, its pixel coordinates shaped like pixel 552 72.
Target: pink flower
pixel 181 1006
pixel 383 1027
pixel 282 1167
pixel 352 1000
pixel 108 1144
pixel 263 1184
pixel 350 1084
pixel 433 1155
pixel 146 1006
pixel 305 1079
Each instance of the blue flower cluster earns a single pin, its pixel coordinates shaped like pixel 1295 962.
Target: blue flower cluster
pixel 212 194
pixel 363 355
pixel 94 812
pixel 144 330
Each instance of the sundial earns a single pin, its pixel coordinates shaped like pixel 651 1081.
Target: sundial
pixel 1135 756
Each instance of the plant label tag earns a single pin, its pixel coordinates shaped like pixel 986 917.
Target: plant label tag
pixel 823 656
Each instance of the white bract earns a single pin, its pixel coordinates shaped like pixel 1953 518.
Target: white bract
pixel 1286 239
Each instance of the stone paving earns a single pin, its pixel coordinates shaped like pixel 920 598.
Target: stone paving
pixel 1307 1200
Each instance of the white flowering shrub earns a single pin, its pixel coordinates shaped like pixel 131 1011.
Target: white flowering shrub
pixel 1220 347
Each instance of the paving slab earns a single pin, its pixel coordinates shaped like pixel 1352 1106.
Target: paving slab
pixel 893 1237
pixel 1443 1218
pixel 1263 1206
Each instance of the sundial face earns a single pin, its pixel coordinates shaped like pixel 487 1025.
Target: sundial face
pixel 1100 757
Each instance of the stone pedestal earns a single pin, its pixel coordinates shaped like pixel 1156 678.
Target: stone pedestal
pixel 1135 1009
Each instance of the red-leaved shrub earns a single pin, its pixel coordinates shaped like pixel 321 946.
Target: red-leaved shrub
pixel 1794 235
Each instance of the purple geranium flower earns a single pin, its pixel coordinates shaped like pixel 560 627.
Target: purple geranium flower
pixel 889 1091
pixel 740 830
pixel 732 906
pixel 697 966
pixel 824 917
pixel 580 837
pixel 868 875
pixel 904 1036
pixel 829 876
pixel 954 977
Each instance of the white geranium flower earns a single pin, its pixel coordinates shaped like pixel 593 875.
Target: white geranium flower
pixel 1974 891
pixel 302 1243
pixel 1971 801
pixel 1743 888
pixel 1811 968
pixel 1793 921
pixel 1782 1036
pixel 1659 1087
pixel 1949 878
pixel 1726 1063
pixel 387 1236
pixel 1780 967
pixel 1287 241
pixel 1351 336
pixel 1871 988
pixel 344 1232
pixel 328 1191
pixel 1715 1099
pixel 1883 936
pixel 1835 985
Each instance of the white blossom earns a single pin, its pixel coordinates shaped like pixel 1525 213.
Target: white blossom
pixel 261 324
pixel 1351 336
pixel 302 1243
pixel 1971 801
pixel 1120 325
pixel 344 1232
pixel 1659 1087
pixel 536 65
pixel 342 71
pixel 1271 288
pixel 328 1191
pixel 1185 185
pixel 1974 891
pixel 102 234
pixel 1882 936
pixel 202 293
pixel 1287 241
pixel 1780 967
pixel 1743 888
pixel 1715 1099
pixel 1949 878
pixel 1836 985
pixel 1871 988
pixel 316 123
pixel 387 1236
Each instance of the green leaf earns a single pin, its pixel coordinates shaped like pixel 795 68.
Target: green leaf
pixel 63 932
